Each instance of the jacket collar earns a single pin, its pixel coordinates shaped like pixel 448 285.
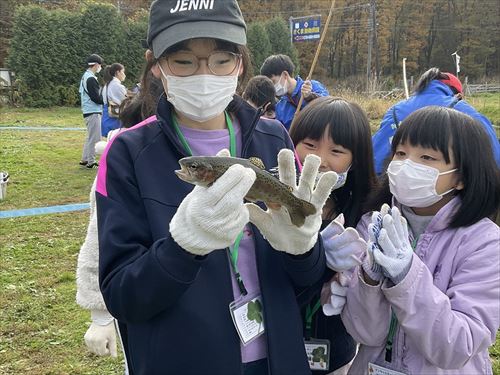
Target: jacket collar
pixel 442 219
pixel 437 86
pixel 247 116
pixel 298 86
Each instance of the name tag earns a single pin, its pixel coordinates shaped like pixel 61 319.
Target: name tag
pixel 318 354
pixel 379 370
pixel 248 318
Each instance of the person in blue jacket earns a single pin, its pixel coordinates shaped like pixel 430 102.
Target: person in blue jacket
pixel 200 281
pixel 280 68
pixel 433 88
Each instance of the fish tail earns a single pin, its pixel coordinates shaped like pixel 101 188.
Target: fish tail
pixel 299 212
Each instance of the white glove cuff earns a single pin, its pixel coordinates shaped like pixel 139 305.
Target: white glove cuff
pixel 198 242
pixel 399 277
pixel 373 271
pixel 101 317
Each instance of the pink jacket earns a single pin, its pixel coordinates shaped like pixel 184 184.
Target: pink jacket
pixel 447 306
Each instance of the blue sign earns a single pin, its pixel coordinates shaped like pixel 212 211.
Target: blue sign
pixel 305 29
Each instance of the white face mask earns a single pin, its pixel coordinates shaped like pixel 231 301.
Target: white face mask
pixel 200 97
pixel 414 184
pixel 341 180
pixel 99 68
pixel 281 89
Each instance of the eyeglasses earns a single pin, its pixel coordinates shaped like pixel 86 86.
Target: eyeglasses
pixel 220 63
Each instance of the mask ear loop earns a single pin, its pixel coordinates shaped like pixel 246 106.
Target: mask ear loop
pixel 161 70
pixel 442 174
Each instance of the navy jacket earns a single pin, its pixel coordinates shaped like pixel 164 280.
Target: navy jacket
pixel 436 93
pixel 175 306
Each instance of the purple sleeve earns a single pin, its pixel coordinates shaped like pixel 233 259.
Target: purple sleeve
pixel 367 312
pixel 466 314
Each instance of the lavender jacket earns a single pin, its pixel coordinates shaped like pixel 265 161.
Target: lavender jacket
pixel 447 306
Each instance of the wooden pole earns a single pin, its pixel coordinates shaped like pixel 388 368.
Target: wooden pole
pixel 407 94
pixel 316 55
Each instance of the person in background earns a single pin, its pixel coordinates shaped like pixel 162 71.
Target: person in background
pixel 91 103
pixel 433 88
pixel 259 93
pixel 177 263
pixel 114 91
pixel 425 299
pixel 280 69
pixel 338 131
pixel 100 337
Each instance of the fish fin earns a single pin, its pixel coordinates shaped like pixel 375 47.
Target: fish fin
pixel 299 213
pixel 257 162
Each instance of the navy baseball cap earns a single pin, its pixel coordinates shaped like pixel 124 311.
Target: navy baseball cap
pixel 173 21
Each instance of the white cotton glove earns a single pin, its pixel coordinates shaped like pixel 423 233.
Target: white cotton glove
pixel 342 246
pixel 276 225
pixel 336 298
pixel 371 268
pixel 100 338
pixel 211 218
pixel 397 253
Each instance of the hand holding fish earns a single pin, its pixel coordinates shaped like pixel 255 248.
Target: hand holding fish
pixel 211 218
pixel 276 225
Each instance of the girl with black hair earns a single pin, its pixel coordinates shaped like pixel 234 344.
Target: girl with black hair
pixel 425 299
pixel 260 93
pixel 113 91
pixel 338 131
pixel 200 281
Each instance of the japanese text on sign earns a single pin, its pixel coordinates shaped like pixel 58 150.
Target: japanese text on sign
pixel 305 28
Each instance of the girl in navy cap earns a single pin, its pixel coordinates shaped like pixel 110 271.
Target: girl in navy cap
pixel 200 281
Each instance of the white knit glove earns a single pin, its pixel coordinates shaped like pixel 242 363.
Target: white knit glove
pixel 100 338
pixel 211 218
pixel 276 225
pixel 343 247
pixel 371 268
pixel 336 298
pixel 397 253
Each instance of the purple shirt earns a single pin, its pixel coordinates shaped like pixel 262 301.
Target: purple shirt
pixel 209 142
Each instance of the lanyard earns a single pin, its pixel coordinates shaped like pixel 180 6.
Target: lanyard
pixel 232 137
pixel 309 315
pixel 233 250
pixel 394 323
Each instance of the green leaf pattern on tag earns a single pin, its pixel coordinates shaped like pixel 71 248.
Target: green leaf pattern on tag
pixel 255 311
pixel 319 354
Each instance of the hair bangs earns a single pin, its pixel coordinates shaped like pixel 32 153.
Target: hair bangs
pixel 335 115
pixel 428 127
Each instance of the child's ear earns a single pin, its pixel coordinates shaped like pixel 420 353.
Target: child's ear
pixel 460 185
pixel 156 71
pixel 148 55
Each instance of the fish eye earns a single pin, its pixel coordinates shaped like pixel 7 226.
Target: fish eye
pixel 193 166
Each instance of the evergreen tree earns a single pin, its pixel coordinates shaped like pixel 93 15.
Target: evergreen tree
pixel 279 36
pixel 258 43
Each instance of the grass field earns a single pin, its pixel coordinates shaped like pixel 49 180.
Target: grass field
pixel 41 327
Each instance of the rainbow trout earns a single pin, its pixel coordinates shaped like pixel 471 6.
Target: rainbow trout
pixel 204 170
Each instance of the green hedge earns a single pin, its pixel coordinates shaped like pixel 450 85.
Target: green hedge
pixel 49 48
